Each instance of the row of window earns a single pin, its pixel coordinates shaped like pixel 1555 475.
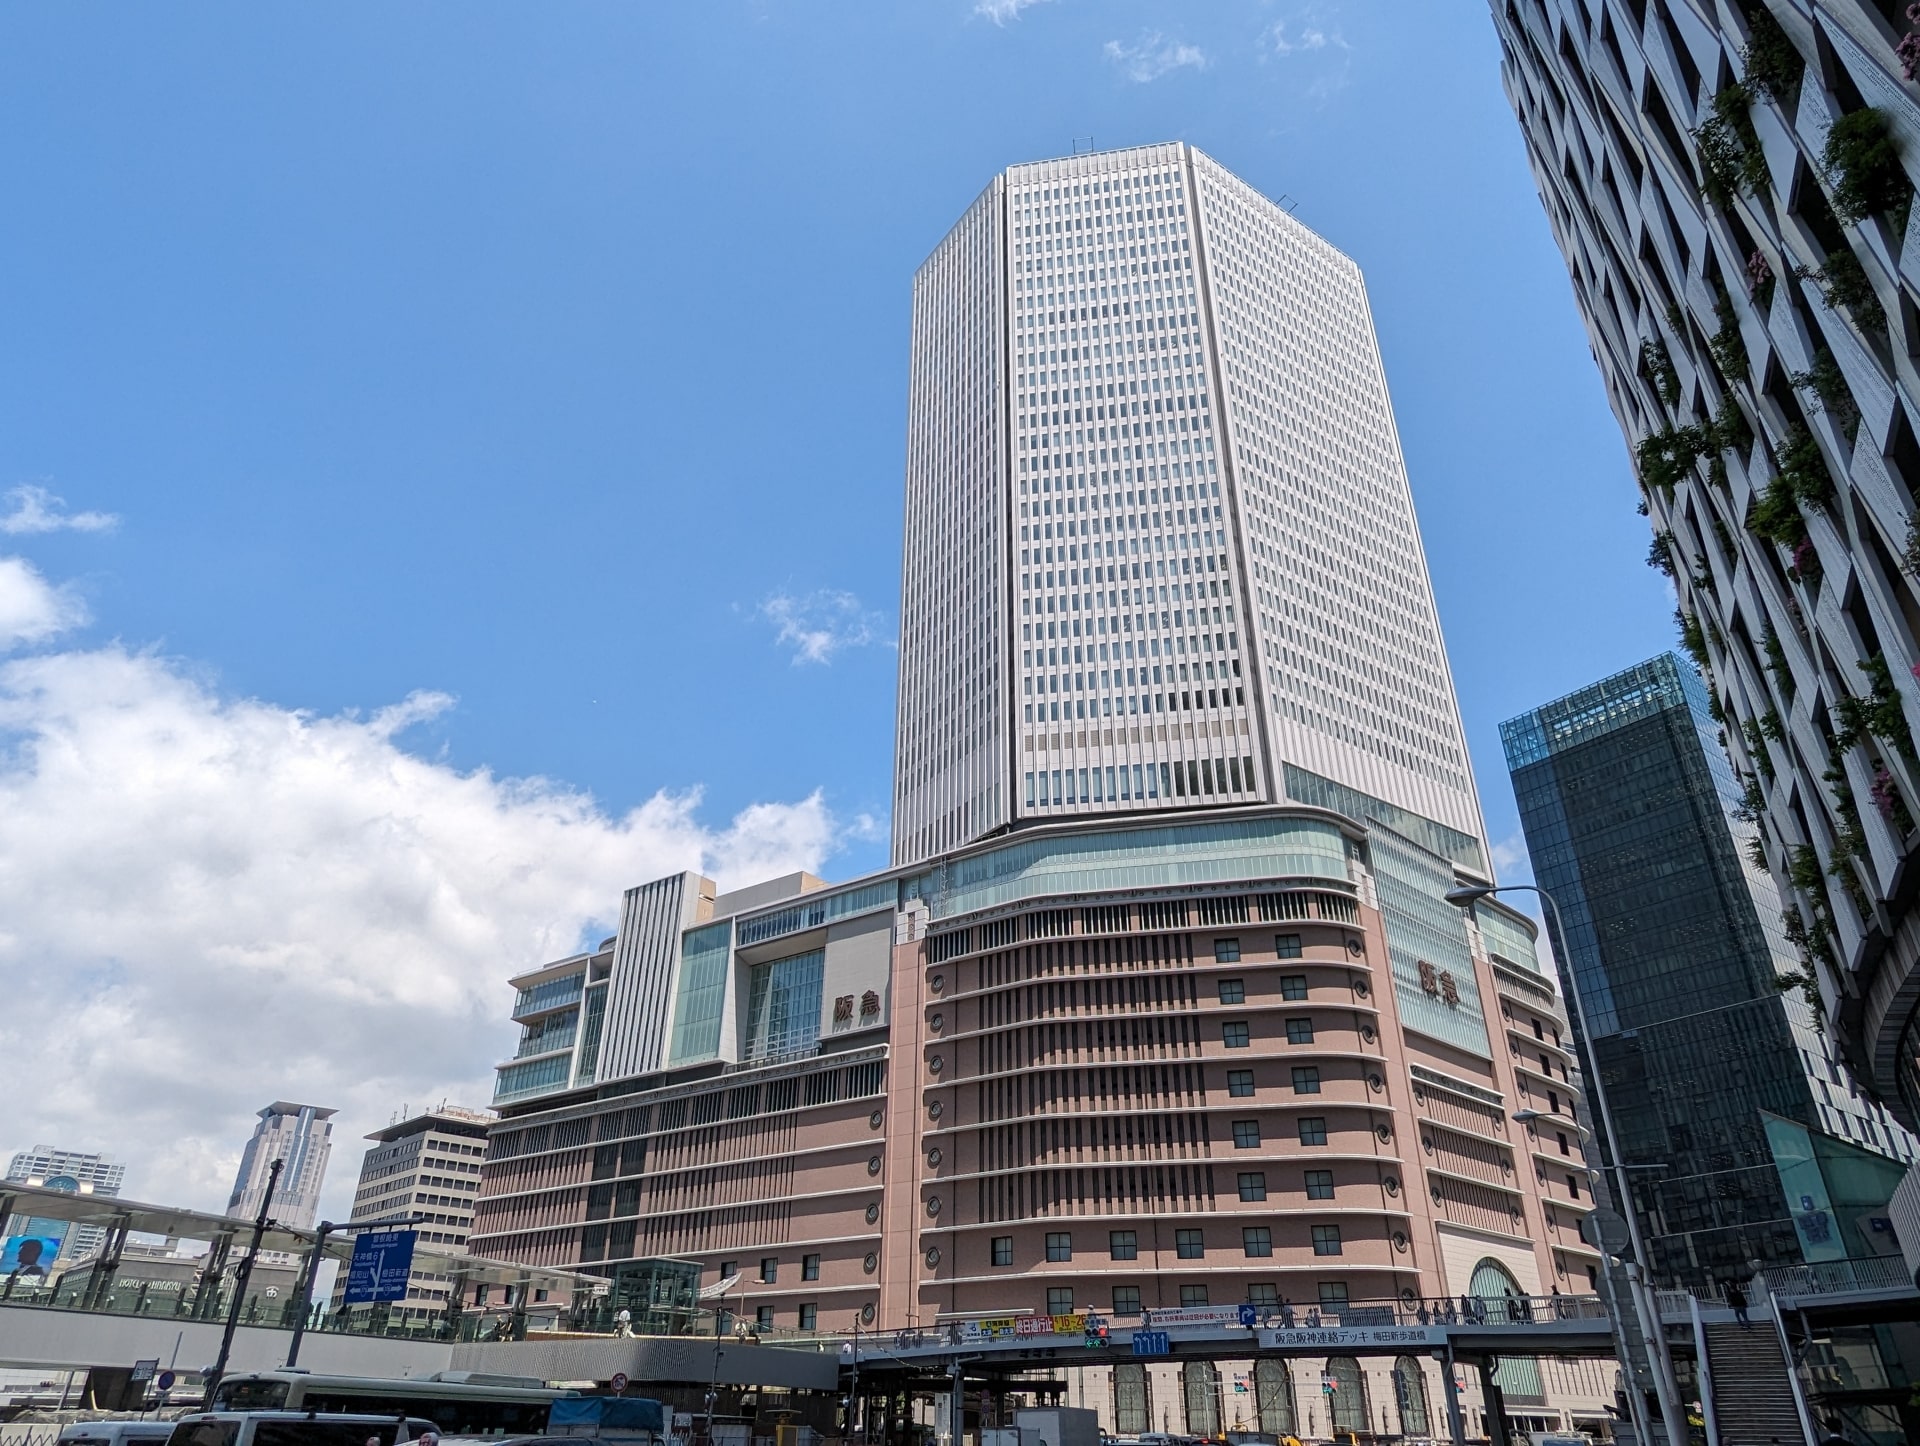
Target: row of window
pixel 770 1268
pixel 1188 1244
pixel 1134 704
pixel 1161 780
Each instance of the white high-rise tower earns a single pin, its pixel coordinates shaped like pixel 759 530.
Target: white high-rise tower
pixel 1160 548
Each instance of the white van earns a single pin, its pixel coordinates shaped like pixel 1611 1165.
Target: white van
pixel 115 1433
pixel 297 1428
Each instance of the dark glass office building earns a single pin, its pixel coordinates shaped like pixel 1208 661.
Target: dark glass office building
pixel 1629 807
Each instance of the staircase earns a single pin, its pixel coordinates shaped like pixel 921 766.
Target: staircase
pixel 1751 1397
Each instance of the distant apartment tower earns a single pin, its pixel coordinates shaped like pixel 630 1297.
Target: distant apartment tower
pixel 301 1135
pixel 1717 1079
pixel 79 1171
pixel 1730 185
pixel 426 1165
pixel 1161 553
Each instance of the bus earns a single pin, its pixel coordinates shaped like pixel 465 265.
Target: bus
pixel 460 1403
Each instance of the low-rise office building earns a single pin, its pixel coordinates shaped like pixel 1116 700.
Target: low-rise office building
pixel 1104 1067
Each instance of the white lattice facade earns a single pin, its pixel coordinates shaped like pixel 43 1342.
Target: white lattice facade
pixel 1160 547
pixel 1732 184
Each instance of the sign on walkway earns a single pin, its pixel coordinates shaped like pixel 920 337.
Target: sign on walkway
pixel 1352 1337
pixel 382 1263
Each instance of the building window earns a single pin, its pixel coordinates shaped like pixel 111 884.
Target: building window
pixel 1299 1031
pixel 1126 1300
pixel 1189 1245
pixel 1234 1035
pixel 1059 1245
pixel 1313 1129
pixel 1233 991
pixel 1226 951
pixel 1333 1295
pixel 769 1270
pixel 1059 1300
pixel 809 1267
pixel 1003 1250
pixel 1246 1135
pixel 1123 1245
pixel 1263 1295
pixel 809 1317
pixel 1319 1184
pixel 1253 1186
pixel 1326 1240
pixel 1293 986
pixel 1306 1079
pixel 1563 1146
pixel 1286 946
pixel 763 1317
pixel 1193 1295
pixel 1257 1240
pixel 729 1267
pixel 1240 1083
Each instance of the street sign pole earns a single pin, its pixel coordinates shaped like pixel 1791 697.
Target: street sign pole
pixel 241 1276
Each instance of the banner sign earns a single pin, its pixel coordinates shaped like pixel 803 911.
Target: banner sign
pixel 1202 1315
pixel 1349 1337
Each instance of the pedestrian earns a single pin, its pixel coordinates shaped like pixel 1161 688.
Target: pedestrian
pixel 1737 1299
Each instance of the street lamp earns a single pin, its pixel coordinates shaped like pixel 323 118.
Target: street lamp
pixel 1465 896
pixel 326 1228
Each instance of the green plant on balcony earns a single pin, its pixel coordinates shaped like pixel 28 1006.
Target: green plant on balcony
pixel 1729 431
pixel 1805 874
pixel 1657 366
pixel 1805 567
pixel 1772 727
pixel 1879 714
pixel 1888 800
pixel 1693 638
pixel 1731 161
pixel 1757 851
pixel 1665 457
pixel 1828 384
pixel 1910 553
pixel 1660 553
pixel 1753 803
pixel 1805 470
pixel 1814 941
pixel 1757 748
pixel 1701 577
pixel 1844 286
pixel 1729 348
pixel 1777 662
pixel 1772 64
pixel 1803 980
pixel 1863 167
pixel 1775 516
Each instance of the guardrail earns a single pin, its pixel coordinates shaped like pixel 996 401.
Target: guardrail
pixel 1840 1277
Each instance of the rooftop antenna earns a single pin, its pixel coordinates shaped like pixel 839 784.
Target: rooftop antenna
pixel 1287 203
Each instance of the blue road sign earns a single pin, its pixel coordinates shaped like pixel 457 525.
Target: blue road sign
pixel 1151 1343
pixel 1248 1316
pixel 382 1262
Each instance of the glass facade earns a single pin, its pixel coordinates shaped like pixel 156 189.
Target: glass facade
pixel 1140 858
pixel 783 1005
pixel 1463 849
pixel 701 1000
pixel 1627 821
pixel 1433 977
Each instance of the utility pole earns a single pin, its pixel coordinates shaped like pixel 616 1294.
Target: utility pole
pixel 241 1275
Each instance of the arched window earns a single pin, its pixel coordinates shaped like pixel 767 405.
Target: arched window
pixel 1349 1401
pixel 1200 1385
pixel 1410 1394
pixel 1273 1394
pixel 1518 1377
pixel 1132 1399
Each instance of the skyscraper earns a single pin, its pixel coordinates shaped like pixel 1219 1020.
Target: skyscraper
pixel 301 1135
pixel 1731 185
pixel 80 1171
pixel 1676 945
pixel 1160 547
pixel 427 1165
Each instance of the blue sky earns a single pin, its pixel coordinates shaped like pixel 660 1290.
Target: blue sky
pixel 550 361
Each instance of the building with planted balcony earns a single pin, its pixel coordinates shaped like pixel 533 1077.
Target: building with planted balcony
pixel 1732 186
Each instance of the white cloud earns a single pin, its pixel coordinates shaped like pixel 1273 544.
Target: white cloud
pixel 1305 38
pixel 208 903
pixel 821 624
pixel 34 509
pixel 1152 56
pixel 1308 40
pixel 31 608
pixel 1510 860
pixel 1001 11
